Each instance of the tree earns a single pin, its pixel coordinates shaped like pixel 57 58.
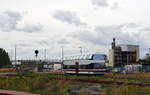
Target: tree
pixel 4 58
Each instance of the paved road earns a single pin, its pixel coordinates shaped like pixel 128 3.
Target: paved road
pixel 11 92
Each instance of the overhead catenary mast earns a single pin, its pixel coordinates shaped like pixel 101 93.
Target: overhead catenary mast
pixel 62 52
pixel 15 53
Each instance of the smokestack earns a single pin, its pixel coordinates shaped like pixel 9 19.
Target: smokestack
pixel 113 43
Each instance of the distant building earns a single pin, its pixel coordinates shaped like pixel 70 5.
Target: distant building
pixel 123 55
pixel 37 65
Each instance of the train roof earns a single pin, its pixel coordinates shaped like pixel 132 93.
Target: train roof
pixel 82 56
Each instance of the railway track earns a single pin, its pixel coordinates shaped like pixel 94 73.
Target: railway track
pixel 80 80
pixel 103 82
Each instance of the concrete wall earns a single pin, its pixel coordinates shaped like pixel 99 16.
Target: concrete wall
pixel 129 47
pixel 137 54
pixel 111 58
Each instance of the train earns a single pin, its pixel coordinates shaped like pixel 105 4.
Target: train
pixel 85 64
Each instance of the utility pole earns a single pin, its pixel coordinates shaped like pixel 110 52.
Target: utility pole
pixel 11 54
pixel 45 54
pixel 80 49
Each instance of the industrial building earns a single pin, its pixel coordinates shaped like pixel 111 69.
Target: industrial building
pixel 121 55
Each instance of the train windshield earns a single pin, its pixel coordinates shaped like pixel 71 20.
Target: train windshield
pixel 98 57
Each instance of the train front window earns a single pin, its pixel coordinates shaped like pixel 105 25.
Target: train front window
pixel 69 66
pixel 98 57
pixel 98 66
pixel 83 66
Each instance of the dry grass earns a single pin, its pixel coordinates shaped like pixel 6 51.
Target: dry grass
pixel 6 69
pixel 134 75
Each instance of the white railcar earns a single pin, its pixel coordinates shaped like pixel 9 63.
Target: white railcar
pixel 92 63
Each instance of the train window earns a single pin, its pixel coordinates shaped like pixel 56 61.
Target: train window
pixel 98 66
pixel 83 66
pixel 69 67
pixel 91 66
pixel 98 57
pixel 84 56
pixel 80 57
pixel 88 56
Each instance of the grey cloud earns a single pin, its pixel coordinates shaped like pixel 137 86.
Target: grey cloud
pixel 68 17
pixel 104 3
pixel 31 28
pixel 10 19
pixel 114 6
pixel 147 29
pixel 63 41
pixel 116 31
pixel 88 37
pixel 43 42
pixel 3 38
pixel 109 29
pixel 23 45
pixel 103 36
pixel 131 25
pixel 101 3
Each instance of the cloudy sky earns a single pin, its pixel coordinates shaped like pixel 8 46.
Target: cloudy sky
pixel 90 24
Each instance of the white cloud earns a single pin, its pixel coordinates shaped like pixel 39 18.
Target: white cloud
pixel 29 28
